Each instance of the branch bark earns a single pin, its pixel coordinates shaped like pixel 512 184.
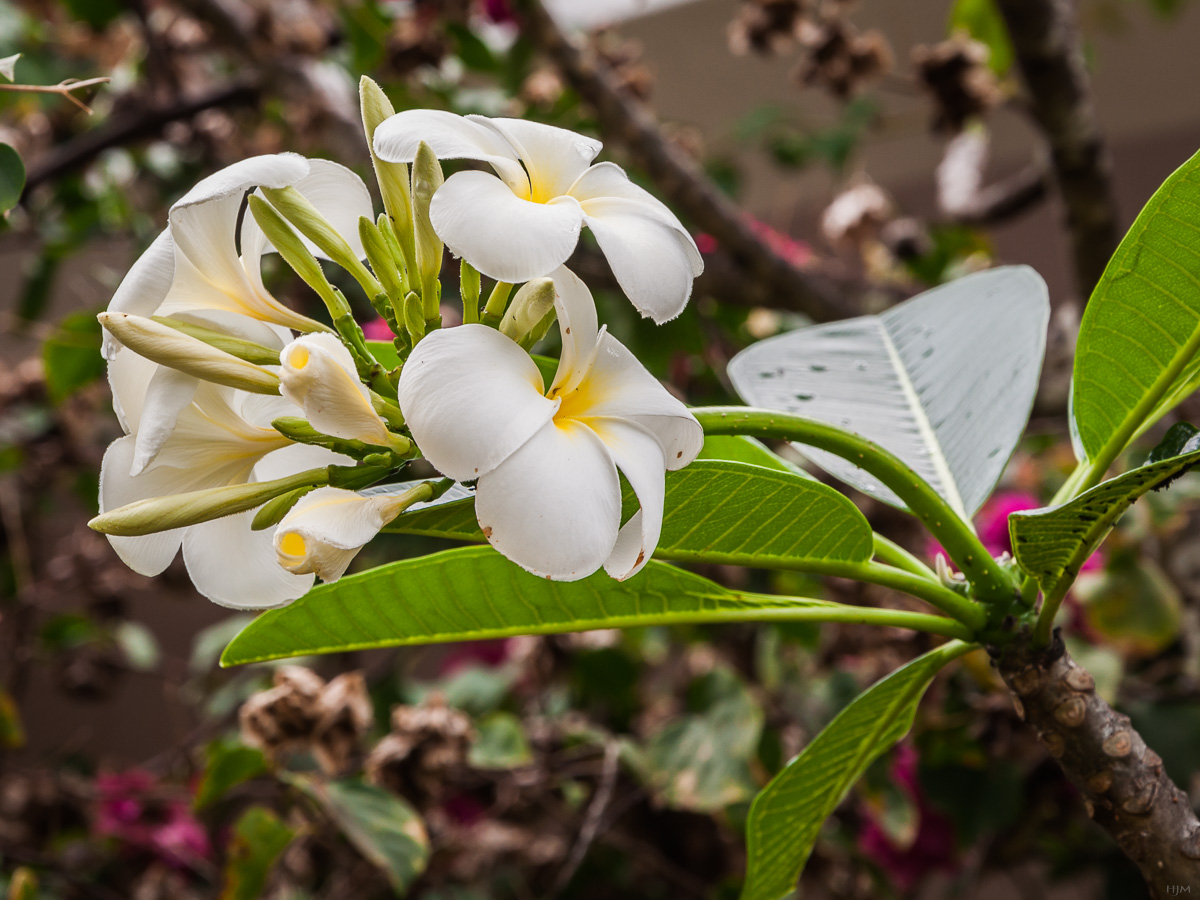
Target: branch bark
pixel 823 294
pixel 1049 54
pixel 130 127
pixel 1124 786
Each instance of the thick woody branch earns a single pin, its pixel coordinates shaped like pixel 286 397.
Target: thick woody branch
pixel 822 294
pixel 1049 54
pixel 1122 780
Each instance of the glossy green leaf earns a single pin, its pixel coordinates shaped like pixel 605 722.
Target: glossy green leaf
pixel 1053 543
pixel 982 21
pixel 473 593
pixel 383 828
pixel 944 381
pixel 787 814
pixel 12 177
pixel 717 511
pixel 228 764
pixel 739 448
pixel 1136 357
pixel 71 356
pixel 258 838
pixel 702 761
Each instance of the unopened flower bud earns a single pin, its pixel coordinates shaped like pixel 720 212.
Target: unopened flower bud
pixel 427 177
pixel 307 219
pixel 168 346
pixel 392 177
pixel 528 308
pixel 318 375
pixel 324 531
pixel 284 238
pixel 380 258
pixel 178 510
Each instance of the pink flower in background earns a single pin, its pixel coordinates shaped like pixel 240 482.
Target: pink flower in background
pixel 486 654
pixel 377 330
pixel 932 849
pixel 134 808
pixel 796 252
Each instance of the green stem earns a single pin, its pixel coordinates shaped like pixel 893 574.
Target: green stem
pixel 858 615
pixel 493 312
pixel 1045 623
pixel 894 555
pixel 988 579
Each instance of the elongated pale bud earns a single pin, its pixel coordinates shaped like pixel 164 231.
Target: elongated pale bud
pixel 284 238
pixel 325 530
pixel 318 375
pixel 180 510
pixel 168 347
pixel 380 258
pixel 426 179
pixel 242 349
pixel 297 209
pixel 468 287
pixel 276 508
pixel 392 177
pixel 528 308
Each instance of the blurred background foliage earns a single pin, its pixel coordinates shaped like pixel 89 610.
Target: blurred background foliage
pixel 582 766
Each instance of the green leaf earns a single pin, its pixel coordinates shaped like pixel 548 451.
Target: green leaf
pixel 944 381
pixel 717 511
pixel 229 763
pixel 739 448
pixel 500 743
pixel 71 355
pixel 258 838
pixel 1053 543
pixel 702 761
pixel 1132 606
pixel 982 21
pixel 473 593
pixel 383 828
pixel 1136 357
pixel 12 177
pixel 787 814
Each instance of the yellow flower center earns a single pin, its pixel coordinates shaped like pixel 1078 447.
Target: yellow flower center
pixel 298 358
pixel 292 544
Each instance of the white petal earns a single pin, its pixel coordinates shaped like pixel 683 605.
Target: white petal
pixel 317 373
pixel 500 234
pixel 145 285
pixel 240 326
pixel 150 554
pixel 554 506
pixel 639 456
pixel 578 326
pixel 128 375
pixel 325 530
pixel 233 565
pixel 168 393
pixel 553 157
pixel 450 136
pixel 471 397
pixel 654 262
pixel 337 193
pixel 204 221
pixel 296 458
pixel 619 386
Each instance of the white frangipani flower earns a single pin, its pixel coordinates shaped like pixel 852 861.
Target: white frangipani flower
pixel 548 495
pixel 317 374
pixel 325 530
pixel 193 271
pixel 526 223
pixel 223 437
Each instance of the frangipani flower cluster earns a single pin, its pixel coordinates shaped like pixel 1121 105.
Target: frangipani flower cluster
pixel 271 447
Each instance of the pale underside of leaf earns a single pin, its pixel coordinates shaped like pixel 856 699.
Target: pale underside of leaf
pixel 944 381
pixel 787 814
